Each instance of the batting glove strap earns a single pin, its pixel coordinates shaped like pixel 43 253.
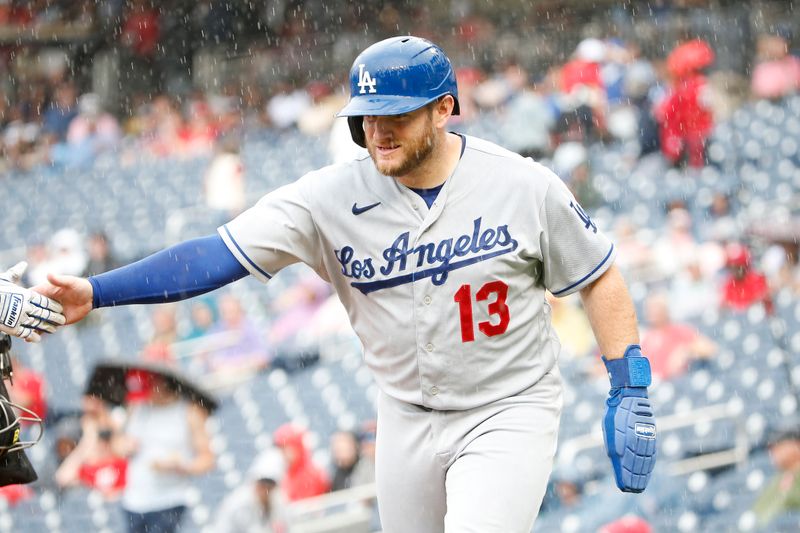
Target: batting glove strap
pixel 629 432
pixel 631 370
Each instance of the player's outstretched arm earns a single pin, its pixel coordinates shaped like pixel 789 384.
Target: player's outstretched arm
pixel 629 427
pixel 73 293
pixel 182 271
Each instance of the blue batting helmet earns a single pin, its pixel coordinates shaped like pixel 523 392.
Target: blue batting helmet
pixel 396 76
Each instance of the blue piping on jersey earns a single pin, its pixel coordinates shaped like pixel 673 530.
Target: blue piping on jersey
pixel 236 244
pixel 367 287
pixel 587 276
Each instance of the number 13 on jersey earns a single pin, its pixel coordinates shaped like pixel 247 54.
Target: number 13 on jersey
pixel 496 307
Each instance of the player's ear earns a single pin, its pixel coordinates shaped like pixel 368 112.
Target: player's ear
pixel 442 109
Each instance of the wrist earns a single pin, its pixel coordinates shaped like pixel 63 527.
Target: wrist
pixel 632 370
pixel 96 301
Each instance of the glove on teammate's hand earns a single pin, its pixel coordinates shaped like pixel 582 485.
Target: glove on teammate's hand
pixel 629 427
pixel 23 312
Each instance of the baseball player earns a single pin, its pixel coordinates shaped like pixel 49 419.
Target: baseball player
pixel 441 247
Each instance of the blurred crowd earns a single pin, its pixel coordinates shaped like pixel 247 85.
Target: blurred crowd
pixel 606 91
pixel 147 453
pixel 607 87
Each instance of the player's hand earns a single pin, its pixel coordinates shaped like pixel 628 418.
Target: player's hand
pixel 629 427
pixel 74 294
pixel 24 313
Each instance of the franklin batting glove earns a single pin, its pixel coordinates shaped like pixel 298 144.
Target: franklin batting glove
pixel 629 427
pixel 25 313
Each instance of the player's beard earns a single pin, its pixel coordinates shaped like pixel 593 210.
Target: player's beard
pixel 415 153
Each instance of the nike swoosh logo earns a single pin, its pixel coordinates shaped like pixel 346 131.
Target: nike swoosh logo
pixel 358 210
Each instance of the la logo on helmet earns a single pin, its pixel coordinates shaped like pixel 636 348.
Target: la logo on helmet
pixel 365 80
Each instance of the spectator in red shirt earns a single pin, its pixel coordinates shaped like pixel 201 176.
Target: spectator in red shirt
pixel 28 390
pixel 743 286
pixel 627 524
pixel 671 346
pixel 94 463
pixel 14 494
pixel 685 116
pixel 303 479
pixel 140 30
pixel 140 35
pixel 584 93
pixel 105 471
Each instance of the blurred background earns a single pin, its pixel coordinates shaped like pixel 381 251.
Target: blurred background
pixel 130 125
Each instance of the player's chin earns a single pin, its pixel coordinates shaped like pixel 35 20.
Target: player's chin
pixel 388 165
pixel 390 168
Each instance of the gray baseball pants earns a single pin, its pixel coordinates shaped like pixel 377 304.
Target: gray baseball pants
pixel 483 470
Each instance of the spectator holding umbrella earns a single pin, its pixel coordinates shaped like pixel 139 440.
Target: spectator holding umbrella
pixel 164 438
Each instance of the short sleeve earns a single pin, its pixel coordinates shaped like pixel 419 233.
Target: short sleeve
pixel 276 232
pixel 574 251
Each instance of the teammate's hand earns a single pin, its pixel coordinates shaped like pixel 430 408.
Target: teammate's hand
pixel 24 313
pixel 629 427
pixel 74 294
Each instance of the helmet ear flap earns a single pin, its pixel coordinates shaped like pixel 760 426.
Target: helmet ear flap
pixel 357 130
pixel 456 107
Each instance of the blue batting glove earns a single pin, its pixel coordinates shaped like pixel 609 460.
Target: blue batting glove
pixel 629 427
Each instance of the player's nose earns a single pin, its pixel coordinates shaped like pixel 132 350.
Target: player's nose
pixel 380 138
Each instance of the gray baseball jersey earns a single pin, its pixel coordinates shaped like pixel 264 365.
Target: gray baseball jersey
pixel 449 302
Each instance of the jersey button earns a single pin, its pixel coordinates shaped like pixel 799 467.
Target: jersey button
pixel 427 300
pixel 434 390
pixel 429 347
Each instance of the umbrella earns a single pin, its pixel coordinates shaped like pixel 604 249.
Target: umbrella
pixel 690 57
pixel 108 382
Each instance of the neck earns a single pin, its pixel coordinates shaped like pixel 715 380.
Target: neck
pixel 439 165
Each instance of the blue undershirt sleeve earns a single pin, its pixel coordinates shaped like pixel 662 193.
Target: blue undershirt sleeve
pixel 187 269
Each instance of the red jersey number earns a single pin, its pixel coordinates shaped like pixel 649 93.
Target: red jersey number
pixel 497 308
